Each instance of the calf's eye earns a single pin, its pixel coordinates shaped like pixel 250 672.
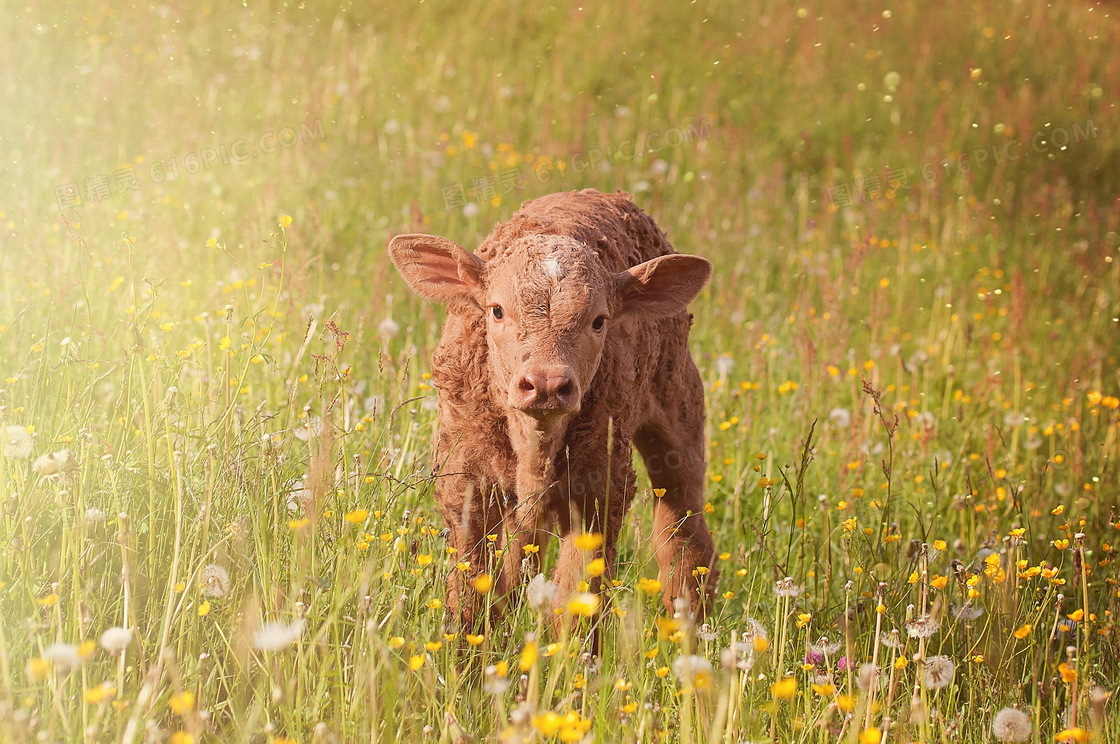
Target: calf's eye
pixel 498 312
pixel 599 322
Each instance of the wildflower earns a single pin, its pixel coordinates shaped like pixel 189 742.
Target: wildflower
pixel 94 516
pixel 649 586
pixel 54 463
pixel 496 678
pixel 415 662
pixel 116 640
pixel 870 736
pixel 285 221
pixel 1023 631
pixel 65 656
pixel 840 417
pixel 939 672
pixel 214 581
pixel 1011 725
pixel 475 640
pixel 357 516
pixel 100 693
pixel 1067 670
pixel 589 541
pixel 483 583
pixel 18 444
pixel 583 604
pixel 275 636
pixel 596 567
pixel 1078 735
pixel 540 593
pixel 706 632
pixel 529 654
pixel 37 669
pixel 694 671
pixel 784 689
pixel 924 626
pixel 181 703
pixel 787 588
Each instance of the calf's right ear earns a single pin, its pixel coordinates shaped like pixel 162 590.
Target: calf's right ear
pixel 437 268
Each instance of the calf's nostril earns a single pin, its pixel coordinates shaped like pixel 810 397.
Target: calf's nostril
pixel 565 391
pixel 526 386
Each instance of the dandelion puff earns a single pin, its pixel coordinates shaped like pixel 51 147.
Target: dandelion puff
pixel 54 463
pixel 1012 725
pixel 693 671
pixel 824 647
pixel 214 582
pixel 939 672
pixel 540 593
pixel 891 639
pixel 724 365
pixel 840 417
pixel 868 676
pixel 388 328
pixel 706 632
pixel 924 626
pixel 276 636
pixel 310 429
pixel 787 588
pixel 299 496
pixel 65 656
pixel 94 515
pixel 116 640
pixel 18 444
pixel 496 678
pixel 966 612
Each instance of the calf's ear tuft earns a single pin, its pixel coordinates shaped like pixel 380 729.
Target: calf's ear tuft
pixel 662 286
pixel 436 268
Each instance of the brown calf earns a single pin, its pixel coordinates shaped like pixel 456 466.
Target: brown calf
pixel 566 340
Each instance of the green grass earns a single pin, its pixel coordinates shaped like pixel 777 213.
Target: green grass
pixel 205 365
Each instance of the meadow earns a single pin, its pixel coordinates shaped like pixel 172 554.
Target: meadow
pixel 216 515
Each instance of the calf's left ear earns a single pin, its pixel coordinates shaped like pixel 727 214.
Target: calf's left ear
pixel 662 286
pixel 436 268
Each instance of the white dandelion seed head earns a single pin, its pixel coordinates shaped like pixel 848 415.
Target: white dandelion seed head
pixel 116 640
pixel 924 626
pixel 64 656
pixel 840 417
pixel 966 612
pixel 754 629
pixel 706 632
pixel 276 636
pixel 470 209
pixel 388 327
pixel 312 428
pixel 494 682
pixel 299 496
pixel 787 588
pixel 214 581
pixel 868 676
pixel 691 669
pixel 824 646
pixel 18 445
pixel 938 672
pixel 54 463
pixel 94 516
pixel 724 365
pixel 1011 725
pixel 891 639
pixel 540 593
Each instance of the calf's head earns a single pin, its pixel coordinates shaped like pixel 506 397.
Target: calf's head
pixel 550 306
